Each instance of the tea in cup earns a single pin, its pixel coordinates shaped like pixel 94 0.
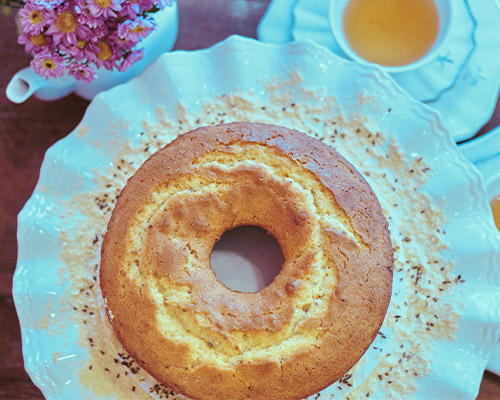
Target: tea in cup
pixel 398 35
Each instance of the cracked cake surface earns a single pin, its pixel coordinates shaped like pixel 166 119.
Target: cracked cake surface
pixel 300 333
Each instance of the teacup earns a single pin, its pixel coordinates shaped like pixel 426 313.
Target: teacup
pixel 444 10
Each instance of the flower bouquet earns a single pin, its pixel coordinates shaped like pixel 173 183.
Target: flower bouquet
pixel 78 36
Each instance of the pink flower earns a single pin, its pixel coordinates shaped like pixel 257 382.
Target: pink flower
pixel 48 4
pixel 145 5
pixel 130 9
pixel 33 19
pixel 81 51
pixel 106 55
pixel 78 36
pixel 134 8
pixel 86 18
pixel 64 27
pixel 104 8
pixel 122 44
pixel 82 72
pixel 132 58
pixel 48 64
pixel 35 43
pixel 100 32
pixel 165 3
pixel 137 29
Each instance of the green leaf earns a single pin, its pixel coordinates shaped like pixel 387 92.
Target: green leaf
pixel 6 10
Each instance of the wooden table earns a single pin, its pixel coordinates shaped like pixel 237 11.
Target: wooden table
pixel 27 130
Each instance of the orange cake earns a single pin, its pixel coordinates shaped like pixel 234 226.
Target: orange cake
pixel 296 336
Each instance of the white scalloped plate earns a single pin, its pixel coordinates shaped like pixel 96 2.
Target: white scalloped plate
pixel 466 102
pixel 484 152
pixel 113 121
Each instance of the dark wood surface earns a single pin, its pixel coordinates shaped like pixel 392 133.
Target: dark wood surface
pixel 27 130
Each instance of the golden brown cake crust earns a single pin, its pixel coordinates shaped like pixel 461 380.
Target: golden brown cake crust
pixel 299 334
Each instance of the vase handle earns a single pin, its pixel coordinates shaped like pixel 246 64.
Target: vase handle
pixel 22 85
pixel 27 82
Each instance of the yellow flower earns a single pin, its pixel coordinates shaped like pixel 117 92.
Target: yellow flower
pixel 81 43
pixel 49 64
pixel 38 40
pixel 103 3
pixel 36 17
pixel 105 50
pixel 139 29
pixel 66 22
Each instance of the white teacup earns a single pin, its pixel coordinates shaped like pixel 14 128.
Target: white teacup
pixel 445 11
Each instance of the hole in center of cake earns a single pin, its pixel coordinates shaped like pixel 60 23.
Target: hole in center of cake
pixel 246 259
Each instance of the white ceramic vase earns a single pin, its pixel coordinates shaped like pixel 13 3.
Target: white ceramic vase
pixel 26 82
